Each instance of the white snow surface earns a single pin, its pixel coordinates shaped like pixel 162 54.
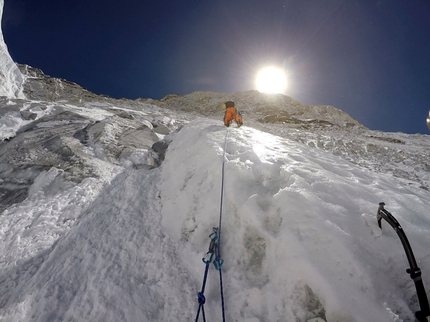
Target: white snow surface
pixel 299 236
pixel 11 79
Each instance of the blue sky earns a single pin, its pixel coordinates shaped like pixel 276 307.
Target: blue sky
pixel 367 58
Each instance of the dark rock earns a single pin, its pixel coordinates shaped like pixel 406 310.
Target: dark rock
pixel 26 115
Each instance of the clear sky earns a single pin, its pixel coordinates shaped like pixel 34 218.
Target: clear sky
pixel 368 58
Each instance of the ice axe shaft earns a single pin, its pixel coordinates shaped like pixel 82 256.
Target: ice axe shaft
pixel 414 271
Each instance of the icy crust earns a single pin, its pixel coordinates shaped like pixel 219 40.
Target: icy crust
pixel 115 264
pixel 11 79
pixel 299 235
pixel 404 156
pixel 76 139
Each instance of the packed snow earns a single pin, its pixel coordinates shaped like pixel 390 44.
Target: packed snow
pixel 300 240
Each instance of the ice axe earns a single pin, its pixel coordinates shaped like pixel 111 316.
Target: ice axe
pixel 414 271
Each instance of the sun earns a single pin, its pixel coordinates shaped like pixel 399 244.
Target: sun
pixel 271 80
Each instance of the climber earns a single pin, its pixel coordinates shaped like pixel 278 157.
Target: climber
pixel 231 114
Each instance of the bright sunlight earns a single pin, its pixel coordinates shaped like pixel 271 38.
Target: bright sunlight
pixel 271 80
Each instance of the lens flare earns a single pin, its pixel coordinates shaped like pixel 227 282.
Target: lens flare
pixel 428 121
pixel 271 80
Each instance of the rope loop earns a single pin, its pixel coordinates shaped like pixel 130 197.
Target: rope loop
pixel 201 298
pixel 218 263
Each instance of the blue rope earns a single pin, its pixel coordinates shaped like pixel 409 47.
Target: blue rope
pixel 214 248
pixel 222 187
pixel 222 296
pixel 200 297
pixel 218 258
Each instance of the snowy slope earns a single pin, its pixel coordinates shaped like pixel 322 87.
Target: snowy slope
pixel 300 238
pixel 124 241
pixel 113 266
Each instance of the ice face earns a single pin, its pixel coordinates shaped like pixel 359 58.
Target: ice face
pixel 11 79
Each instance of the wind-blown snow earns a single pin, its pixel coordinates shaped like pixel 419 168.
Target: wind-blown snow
pixel 300 240
pixel 11 79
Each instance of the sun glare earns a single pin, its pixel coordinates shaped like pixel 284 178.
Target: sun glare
pixel 271 80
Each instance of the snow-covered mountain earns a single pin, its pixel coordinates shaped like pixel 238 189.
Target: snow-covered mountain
pixel 107 206
pixel 94 229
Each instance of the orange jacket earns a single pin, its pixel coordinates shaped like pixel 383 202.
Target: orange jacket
pixel 231 114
